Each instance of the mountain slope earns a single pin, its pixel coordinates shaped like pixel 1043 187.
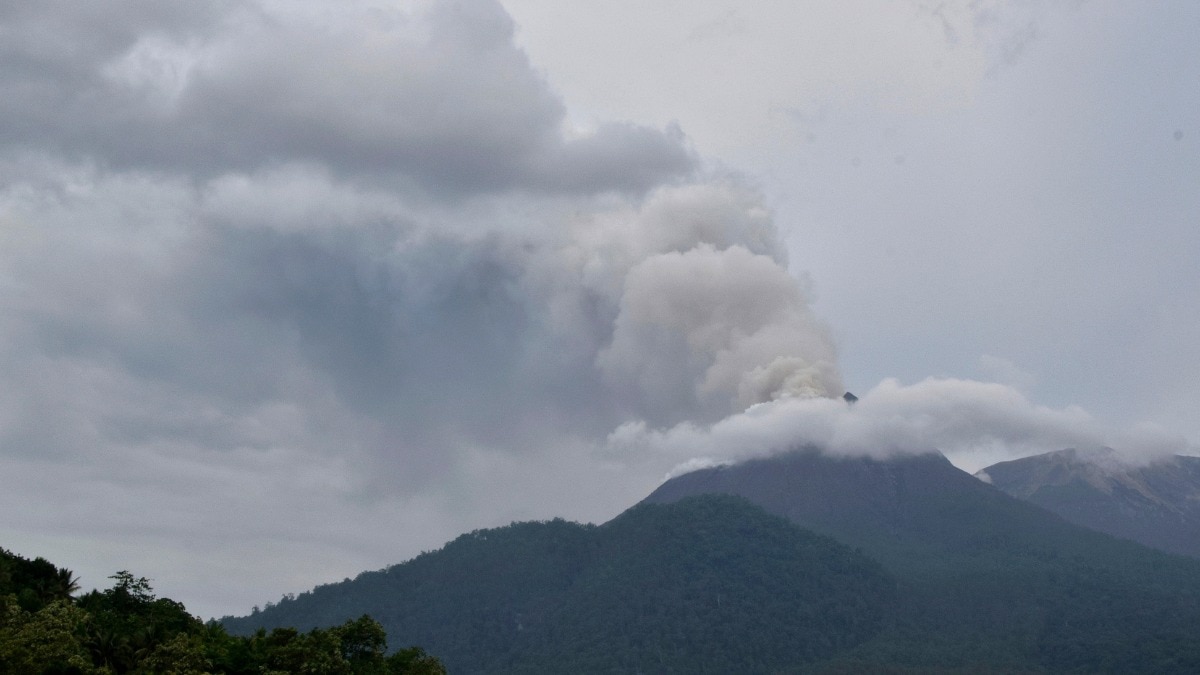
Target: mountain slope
pixel 985 580
pixel 1157 505
pixel 709 584
pixel 908 510
pixel 968 579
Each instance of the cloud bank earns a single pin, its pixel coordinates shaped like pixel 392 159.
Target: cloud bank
pixel 973 423
pixel 270 270
pixel 437 95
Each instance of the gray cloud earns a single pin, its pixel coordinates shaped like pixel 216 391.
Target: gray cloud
pixel 232 332
pixel 172 342
pixel 973 423
pixel 292 290
pixel 214 292
pixel 439 96
pixel 716 331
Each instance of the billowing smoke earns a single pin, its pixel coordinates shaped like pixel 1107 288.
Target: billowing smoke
pixel 280 279
pixel 717 330
pixel 973 423
pixel 350 260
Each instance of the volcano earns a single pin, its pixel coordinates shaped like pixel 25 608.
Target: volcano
pixel 817 563
pixel 981 573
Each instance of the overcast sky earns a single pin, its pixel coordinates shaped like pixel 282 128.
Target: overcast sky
pixel 291 290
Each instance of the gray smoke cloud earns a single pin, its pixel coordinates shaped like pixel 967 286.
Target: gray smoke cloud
pixel 720 330
pixel 973 423
pixel 293 290
pixel 435 94
pixel 263 290
pixel 274 270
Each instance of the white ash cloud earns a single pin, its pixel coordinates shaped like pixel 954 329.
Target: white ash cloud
pixel 973 423
pixel 720 330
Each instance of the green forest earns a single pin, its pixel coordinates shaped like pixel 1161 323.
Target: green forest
pixel 706 584
pixel 47 627
pixel 709 585
pixel 715 584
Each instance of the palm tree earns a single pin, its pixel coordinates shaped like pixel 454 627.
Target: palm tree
pixel 66 583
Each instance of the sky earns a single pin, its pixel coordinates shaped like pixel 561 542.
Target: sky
pixel 293 290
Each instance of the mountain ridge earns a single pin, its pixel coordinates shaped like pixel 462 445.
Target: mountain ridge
pixel 983 574
pixel 1156 504
pixel 710 584
pixel 965 578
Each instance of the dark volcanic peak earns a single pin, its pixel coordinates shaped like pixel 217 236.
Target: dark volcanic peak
pixel 964 579
pixel 850 497
pixel 1157 504
pixel 985 579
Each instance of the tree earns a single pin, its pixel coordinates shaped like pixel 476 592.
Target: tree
pixel 181 655
pixel 48 640
pixel 414 661
pixel 363 641
pixel 128 623
pixel 36 583
pixel 126 629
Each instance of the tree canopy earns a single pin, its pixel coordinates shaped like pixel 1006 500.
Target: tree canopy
pixel 127 629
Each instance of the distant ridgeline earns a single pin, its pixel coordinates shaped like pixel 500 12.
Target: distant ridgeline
pixel 797 563
pixel 1157 504
pixel 126 629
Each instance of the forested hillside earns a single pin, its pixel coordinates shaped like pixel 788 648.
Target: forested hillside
pixel 44 628
pixel 708 585
pixel 984 580
pixel 946 574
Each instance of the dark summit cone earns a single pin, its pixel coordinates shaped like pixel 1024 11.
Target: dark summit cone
pixel 986 581
pixel 920 501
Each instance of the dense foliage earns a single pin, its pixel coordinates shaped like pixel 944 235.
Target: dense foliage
pixel 126 629
pixel 984 580
pixel 967 579
pixel 709 585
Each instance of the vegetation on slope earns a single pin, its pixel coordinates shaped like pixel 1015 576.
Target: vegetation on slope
pixel 984 580
pixel 1157 505
pixel 968 579
pixel 708 585
pixel 126 629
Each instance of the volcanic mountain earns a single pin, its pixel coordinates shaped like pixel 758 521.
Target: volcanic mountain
pixel 905 564
pixel 984 578
pixel 1156 504
pixel 908 510
pixel 707 584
